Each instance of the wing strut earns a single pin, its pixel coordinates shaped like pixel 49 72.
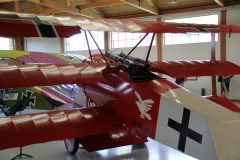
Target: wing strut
pixel 150 47
pixel 99 49
pixel 89 49
pixel 136 45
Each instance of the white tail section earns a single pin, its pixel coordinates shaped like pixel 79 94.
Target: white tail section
pixel 227 139
pixel 184 130
pixel 198 127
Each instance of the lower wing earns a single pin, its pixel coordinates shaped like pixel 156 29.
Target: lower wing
pixel 83 123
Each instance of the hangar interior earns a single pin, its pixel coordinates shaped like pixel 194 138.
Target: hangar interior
pixel 194 46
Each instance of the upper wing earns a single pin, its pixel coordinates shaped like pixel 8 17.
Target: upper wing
pixel 50 74
pixel 29 25
pixel 195 68
pixel 42 127
pixel 126 25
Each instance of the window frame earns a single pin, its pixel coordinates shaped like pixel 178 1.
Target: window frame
pixel 10 44
pixel 130 42
pixel 170 38
pixel 81 44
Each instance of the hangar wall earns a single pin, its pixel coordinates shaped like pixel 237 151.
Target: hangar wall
pixel 43 44
pixel 173 52
pixel 233 51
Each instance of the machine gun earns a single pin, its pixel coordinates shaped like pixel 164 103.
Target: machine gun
pixel 138 69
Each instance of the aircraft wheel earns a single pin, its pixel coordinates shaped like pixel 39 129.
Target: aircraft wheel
pixel 72 145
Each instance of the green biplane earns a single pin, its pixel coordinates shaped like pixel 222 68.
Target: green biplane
pixel 43 97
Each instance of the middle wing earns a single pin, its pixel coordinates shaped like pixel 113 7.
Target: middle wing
pixel 195 68
pixel 50 74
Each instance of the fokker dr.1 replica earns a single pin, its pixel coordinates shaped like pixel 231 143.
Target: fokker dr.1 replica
pixel 133 103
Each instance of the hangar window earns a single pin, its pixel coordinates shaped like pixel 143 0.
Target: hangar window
pixel 124 39
pixel 170 39
pixel 78 42
pixel 6 43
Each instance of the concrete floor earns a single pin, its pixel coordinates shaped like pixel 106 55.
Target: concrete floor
pixel 56 151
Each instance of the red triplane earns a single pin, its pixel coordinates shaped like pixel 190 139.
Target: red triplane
pixel 133 103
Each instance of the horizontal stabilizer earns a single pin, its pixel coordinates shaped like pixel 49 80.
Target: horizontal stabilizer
pixel 14 76
pixel 198 68
pixel 224 102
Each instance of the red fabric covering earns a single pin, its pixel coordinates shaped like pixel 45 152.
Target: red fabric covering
pixel 42 127
pixel 224 102
pixel 195 68
pixel 26 28
pixel 25 25
pixel 127 25
pixel 112 139
pixel 50 74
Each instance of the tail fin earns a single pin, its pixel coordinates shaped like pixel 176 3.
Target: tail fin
pixel 198 127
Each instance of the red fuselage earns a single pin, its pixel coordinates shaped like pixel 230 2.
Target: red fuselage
pixel 119 94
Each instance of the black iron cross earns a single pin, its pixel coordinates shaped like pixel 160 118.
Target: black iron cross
pixel 184 130
pixel 30 98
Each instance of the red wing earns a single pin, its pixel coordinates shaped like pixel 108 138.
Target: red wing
pixel 50 74
pixel 50 26
pixel 195 68
pixel 224 102
pixel 28 25
pixel 42 127
pixel 126 25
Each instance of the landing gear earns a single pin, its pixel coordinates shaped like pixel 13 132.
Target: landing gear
pixel 138 146
pixel 72 145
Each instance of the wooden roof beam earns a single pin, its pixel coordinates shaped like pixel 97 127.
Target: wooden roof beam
pixel 92 10
pixel 45 11
pixel 101 4
pixel 5 1
pixel 62 7
pixel 143 5
pixel 17 6
pixel 221 3
pixel 153 4
pixel 68 3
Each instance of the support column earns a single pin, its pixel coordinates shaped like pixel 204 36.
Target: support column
pixel 19 43
pixel 62 45
pixel 223 20
pixel 213 58
pixel 159 43
pixel 106 42
pixel 223 56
